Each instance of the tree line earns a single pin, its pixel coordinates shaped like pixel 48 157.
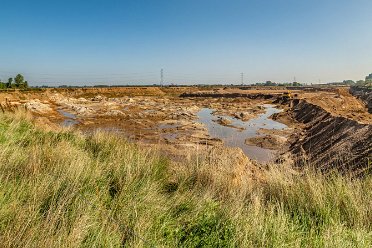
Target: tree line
pixel 17 83
pixel 270 83
pixel 367 82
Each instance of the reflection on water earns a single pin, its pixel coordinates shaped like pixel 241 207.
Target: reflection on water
pixel 70 119
pixel 236 138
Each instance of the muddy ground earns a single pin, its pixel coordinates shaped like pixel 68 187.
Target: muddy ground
pixel 168 116
pixel 267 141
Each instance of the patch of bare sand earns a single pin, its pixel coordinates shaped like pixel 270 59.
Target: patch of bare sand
pixel 272 142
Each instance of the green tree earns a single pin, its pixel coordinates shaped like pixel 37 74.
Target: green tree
pixel 19 81
pixel 369 80
pixel 269 83
pixel 2 85
pixel 9 83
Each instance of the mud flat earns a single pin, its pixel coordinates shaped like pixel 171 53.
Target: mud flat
pixel 272 142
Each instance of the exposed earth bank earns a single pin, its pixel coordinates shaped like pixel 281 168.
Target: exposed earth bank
pixel 328 141
pixel 364 94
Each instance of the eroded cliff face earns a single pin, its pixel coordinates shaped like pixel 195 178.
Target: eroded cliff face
pixel 363 94
pixel 330 142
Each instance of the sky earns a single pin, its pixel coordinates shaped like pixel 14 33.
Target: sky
pixel 194 41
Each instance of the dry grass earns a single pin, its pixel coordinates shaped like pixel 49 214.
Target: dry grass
pixel 62 189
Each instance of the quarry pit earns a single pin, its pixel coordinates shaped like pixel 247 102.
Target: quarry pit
pixel 325 126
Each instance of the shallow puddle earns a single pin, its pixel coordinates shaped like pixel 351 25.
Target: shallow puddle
pixel 234 137
pixel 70 119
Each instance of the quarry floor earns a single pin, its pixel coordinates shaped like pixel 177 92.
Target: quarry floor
pixel 163 117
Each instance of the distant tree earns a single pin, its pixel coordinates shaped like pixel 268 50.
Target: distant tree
pixel 360 82
pixel 368 81
pixel 269 83
pixel 348 82
pixel 2 85
pixel 9 83
pixel 19 81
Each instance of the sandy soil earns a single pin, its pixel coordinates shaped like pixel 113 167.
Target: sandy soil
pixel 340 102
pixel 272 142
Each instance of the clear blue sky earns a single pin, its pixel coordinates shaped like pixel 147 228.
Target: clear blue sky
pixel 195 41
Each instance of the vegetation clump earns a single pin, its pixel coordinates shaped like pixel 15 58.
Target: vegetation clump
pixel 17 83
pixel 63 189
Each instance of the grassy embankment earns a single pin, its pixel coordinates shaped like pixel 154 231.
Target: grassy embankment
pixel 61 189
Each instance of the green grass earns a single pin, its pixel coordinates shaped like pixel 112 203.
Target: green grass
pixel 63 189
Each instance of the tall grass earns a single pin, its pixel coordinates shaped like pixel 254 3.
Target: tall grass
pixel 63 189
